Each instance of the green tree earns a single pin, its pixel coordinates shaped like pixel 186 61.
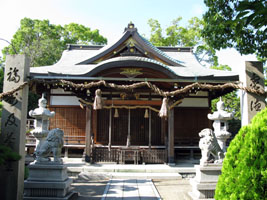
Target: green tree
pixel 189 35
pixel 1 74
pixel 1 62
pixel 1 79
pixel 44 42
pixel 239 24
pixel 244 171
pixel 231 103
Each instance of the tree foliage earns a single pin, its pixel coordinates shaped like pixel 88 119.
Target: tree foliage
pixel 231 103
pixel 185 36
pixel 244 171
pixel 44 42
pixel 238 24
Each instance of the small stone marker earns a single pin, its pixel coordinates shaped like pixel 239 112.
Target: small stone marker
pixel 13 126
pixel 251 104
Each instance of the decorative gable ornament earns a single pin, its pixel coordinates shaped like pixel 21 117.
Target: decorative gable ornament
pixel 131 72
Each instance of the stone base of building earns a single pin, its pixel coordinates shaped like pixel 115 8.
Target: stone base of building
pixel 205 181
pixel 48 181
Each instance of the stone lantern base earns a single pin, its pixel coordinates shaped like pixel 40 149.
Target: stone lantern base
pixel 205 181
pixel 48 181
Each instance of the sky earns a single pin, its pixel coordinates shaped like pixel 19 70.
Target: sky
pixel 110 17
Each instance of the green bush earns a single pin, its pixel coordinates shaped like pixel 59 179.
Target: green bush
pixel 26 172
pixel 7 154
pixel 244 171
pixel 1 105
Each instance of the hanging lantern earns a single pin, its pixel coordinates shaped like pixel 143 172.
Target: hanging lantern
pixel 98 104
pixel 146 113
pixel 164 109
pixel 116 114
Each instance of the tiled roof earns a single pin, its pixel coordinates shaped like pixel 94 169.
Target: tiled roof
pixel 158 50
pixel 79 60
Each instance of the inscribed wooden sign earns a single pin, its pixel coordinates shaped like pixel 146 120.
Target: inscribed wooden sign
pixel 252 103
pixel 13 126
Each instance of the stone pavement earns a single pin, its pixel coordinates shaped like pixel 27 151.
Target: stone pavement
pixel 90 181
pixel 131 189
pixel 91 186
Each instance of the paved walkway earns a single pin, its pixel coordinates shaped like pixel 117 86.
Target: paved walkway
pixel 91 181
pixel 131 189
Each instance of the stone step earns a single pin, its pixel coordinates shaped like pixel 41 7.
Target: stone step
pixel 107 176
pixel 131 169
pixel 172 176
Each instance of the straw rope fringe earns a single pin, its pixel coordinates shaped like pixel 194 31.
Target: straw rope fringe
pixel 154 88
pixel 11 92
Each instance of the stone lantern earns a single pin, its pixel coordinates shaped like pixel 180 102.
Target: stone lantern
pixel 47 179
pixel 41 122
pixel 220 124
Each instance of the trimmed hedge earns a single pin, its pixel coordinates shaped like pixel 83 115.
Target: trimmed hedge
pixel 244 171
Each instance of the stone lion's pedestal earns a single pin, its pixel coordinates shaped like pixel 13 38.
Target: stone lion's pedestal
pixel 48 181
pixel 212 145
pixel 205 181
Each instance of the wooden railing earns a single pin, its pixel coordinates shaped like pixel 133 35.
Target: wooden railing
pixel 104 155
pixel 129 155
pixel 154 156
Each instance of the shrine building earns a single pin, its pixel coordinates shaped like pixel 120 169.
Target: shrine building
pixel 107 99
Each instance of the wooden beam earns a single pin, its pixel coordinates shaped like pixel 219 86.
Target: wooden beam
pixel 133 102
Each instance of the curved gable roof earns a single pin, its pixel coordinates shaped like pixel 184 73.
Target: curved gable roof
pixel 132 61
pixel 134 38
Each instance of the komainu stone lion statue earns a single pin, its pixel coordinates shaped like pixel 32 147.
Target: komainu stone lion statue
pixel 53 144
pixel 209 146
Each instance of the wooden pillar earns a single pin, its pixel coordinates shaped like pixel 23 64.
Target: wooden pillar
pixel 128 143
pixel 13 126
pixel 88 134
pixel 149 130
pixel 109 129
pixel 171 137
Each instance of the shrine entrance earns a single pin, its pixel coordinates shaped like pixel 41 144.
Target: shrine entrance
pixel 129 135
pixel 142 126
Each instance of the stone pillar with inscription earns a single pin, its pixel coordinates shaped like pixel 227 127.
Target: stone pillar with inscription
pixel 253 78
pixel 13 126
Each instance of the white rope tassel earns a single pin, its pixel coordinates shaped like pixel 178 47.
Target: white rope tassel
pixel 98 103
pixel 146 114
pixel 164 109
